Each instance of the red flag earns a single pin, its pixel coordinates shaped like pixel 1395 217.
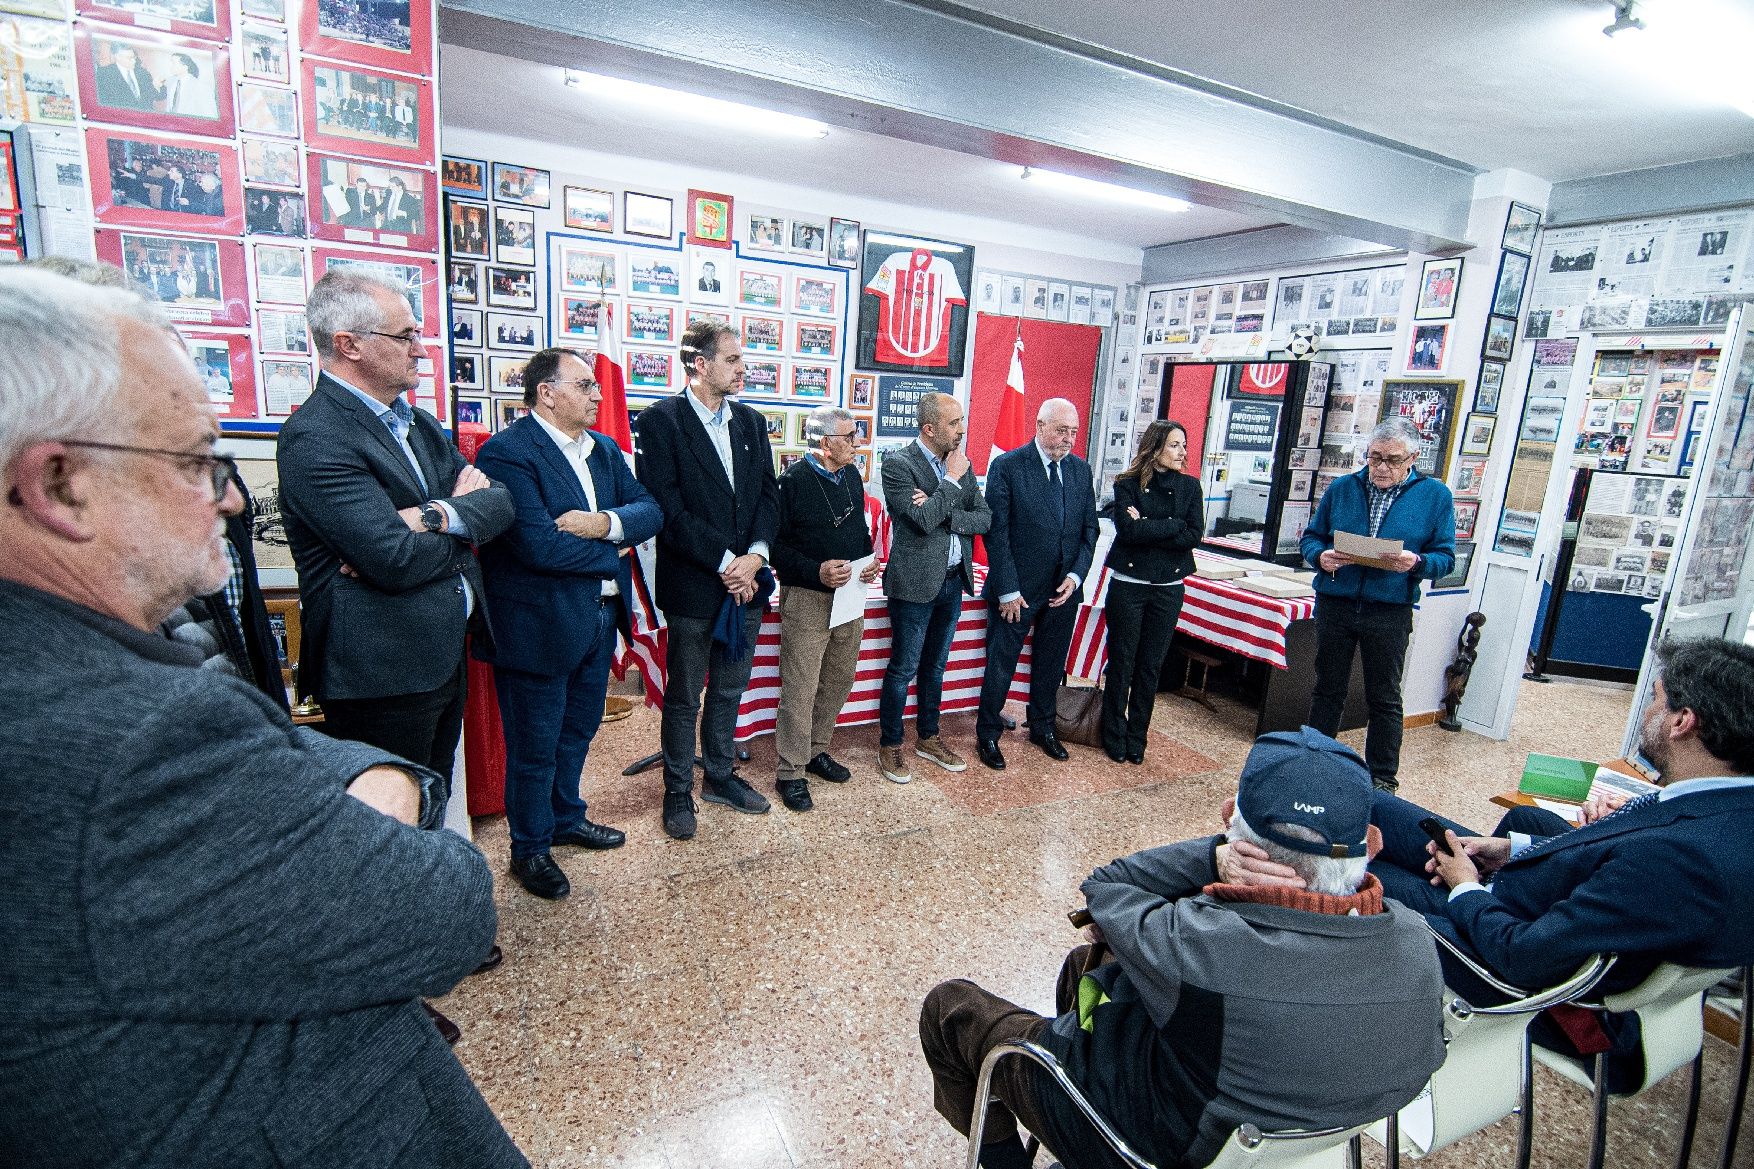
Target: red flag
pixel 612 417
pixel 1013 429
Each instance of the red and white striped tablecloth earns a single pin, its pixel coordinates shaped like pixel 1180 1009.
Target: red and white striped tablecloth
pixel 1236 619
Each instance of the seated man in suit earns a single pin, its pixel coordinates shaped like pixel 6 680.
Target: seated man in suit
pixel 1665 878
pixel 1283 992
pixel 555 583
pixel 1039 548
pixel 218 925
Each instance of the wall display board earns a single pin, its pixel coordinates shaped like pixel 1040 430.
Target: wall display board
pixel 1360 303
pixel 1431 407
pixel 1537 442
pixel 1638 405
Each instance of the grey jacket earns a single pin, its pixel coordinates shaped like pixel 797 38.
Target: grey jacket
pixel 919 548
pixel 214 956
pixel 1219 1012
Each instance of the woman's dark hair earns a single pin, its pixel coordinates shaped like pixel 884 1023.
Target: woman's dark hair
pixel 1144 462
pixel 1715 680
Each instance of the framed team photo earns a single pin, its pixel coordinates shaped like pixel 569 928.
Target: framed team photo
pixel 649 369
pixel 654 273
pixel 464 177
pixel 588 209
pixel 579 318
pixel 263 109
pixel 814 296
pixel 759 290
pixel 155 80
pixel 815 339
pixel 514 235
pixel 207 19
pixel 812 381
pixel 589 269
pixel 763 334
pixel 363 111
pixel 354 201
pixel 649 215
pixel 416 276
pixel 195 281
pixel 146 180
pixel 385 34
pixel 466 229
pixel 520 184
pixel 650 323
pixel 913 304
pixel 511 288
pixel 763 378
pixel 514 331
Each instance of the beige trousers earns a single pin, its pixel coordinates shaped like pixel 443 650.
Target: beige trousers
pixel 817 665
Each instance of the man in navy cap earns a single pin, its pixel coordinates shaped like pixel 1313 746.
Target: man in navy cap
pixel 1254 976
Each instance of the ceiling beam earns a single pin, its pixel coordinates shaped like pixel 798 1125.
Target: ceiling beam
pixel 943 76
pixel 1656 193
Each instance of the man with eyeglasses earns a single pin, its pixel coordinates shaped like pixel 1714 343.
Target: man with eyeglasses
pixel 822 533
pixel 555 583
pixel 218 924
pixel 1367 611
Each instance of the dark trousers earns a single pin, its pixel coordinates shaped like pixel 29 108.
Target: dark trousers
pixel 1047 664
pixel 1141 620
pixel 549 721
pixel 1378 634
pixel 919 645
pixel 421 728
pixel 692 662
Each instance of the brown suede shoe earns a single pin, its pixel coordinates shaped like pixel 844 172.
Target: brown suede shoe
pixel 889 762
pixel 935 750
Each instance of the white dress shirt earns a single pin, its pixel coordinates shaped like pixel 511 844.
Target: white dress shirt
pixel 577 453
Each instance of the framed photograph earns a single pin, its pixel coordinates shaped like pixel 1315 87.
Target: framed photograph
pixel 1467 515
pixel 466 229
pixel 464 177
pixel 758 289
pixel 1470 476
pixel 767 233
pixel 861 391
pixel 282 331
pixel 775 421
pixel 207 19
pixel 816 297
pixel 362 111
pixel 265 54
pixel 1428 348
pixel 649 323
pixel 386 34
pixel 1520 226
pixel 263 109
pixel 649 215
pixel 578 317
pixel 145 180
pixel 1664 421
pixel 505 375
pixel 197 281
pixel 913 304
pixel 269 212
pixel 588 209
pixel 509 410
pixel 1507 294
pixel 228 371
pixel 812 381
pixel 1035 299
pixel 466 372
pixel 1500 336
pixel 651 273
pixel 815 339
pixel 514 331
pixel 1431 407
pixel 1491 386
pixel 707 278
pixel 1060 301
pixel 1440 281
pixel 843 242
pixel 649 369
pixel 416 276
pixel 763 334
pixel 862 431
pixel 474 410
pixel 1458 577
pixel 810 237
pixel 373 203
pixel 280 274
pixel 796 435
pixel 709 219
pixel 464 281
pixel 466 328
pixel 763 378
pixel 520 184
pixel 514 236
pixel 589 269
pixel 1477 434
pixel 285 386
pixel 511 288
pixel 153 80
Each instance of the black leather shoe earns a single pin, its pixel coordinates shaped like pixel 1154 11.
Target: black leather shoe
pixel 733 791
pixel 795 794
pixel 988 750
pixel 824 767
pixel 1049 744
pixel 589 835
pixel 1114 755
pixel 1135 756
pixel 679 815
pixel 494 957
pixel 448 1031
pixel 541 876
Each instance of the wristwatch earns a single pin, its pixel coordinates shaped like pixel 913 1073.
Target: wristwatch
pixel 432 517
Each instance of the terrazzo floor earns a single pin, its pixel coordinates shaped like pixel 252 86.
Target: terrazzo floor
pixel 749 999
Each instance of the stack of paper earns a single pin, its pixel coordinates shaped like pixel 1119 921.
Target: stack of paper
pixel 1282 587
pixel 1218 567
pixel 1367 550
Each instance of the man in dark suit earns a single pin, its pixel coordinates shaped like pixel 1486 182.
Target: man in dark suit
pixel 705 459
pixel 125 84
pixel 1667 877
pixel 1038 551
pixel 555 583
pixel 399 210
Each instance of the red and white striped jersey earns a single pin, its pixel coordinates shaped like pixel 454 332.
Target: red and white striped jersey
pixel 917 290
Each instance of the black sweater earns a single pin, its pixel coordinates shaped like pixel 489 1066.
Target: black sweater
pixel 807 537
pixel 1158 546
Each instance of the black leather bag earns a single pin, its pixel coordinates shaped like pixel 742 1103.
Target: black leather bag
pixel 1078 714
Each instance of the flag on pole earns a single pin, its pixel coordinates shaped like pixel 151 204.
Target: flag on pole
pixel 1012 429
pixel 612 416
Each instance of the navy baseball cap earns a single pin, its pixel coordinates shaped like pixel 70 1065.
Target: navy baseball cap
pixel 1305 778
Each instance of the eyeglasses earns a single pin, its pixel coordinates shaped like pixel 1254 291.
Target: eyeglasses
pixel 411 337
pixel 221 469
pixel 848 434
pixel 583 385
pixel 1386 460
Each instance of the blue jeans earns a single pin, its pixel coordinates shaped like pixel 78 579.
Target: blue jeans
pixel 919 643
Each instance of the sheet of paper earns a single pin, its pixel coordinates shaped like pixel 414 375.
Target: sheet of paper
pixel 1367 549
pixel 1569 811
pixel 849 599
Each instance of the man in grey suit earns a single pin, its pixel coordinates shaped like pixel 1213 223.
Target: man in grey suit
pixel 936 510
pixel 218 924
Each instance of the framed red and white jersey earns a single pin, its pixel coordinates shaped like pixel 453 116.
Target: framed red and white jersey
pixel 913 304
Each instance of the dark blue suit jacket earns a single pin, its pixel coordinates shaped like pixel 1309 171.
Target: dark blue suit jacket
pixel 1673 881
pixel 541 581
pixel 1029 551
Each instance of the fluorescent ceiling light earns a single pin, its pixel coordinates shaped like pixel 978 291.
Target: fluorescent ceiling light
pixel 1091 189
pixel 1699 47
pixel 695 108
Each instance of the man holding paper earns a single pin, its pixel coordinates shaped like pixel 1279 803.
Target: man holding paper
pixel 823 546
pixel 1375 535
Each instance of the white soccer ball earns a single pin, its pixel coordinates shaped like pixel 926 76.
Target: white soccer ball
pixel 1303 343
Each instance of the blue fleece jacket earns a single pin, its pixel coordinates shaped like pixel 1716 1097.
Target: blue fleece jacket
pixel 1422 518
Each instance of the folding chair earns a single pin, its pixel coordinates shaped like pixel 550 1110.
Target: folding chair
pixel 1248 1148
pixel 1745 1056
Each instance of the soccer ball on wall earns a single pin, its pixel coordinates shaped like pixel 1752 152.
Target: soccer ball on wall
pixel 1304 342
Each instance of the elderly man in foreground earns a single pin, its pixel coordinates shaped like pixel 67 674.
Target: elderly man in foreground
pixel 218 925
pixel 1257 976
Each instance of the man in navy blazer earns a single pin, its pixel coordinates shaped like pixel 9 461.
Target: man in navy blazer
pixel 555 583
pixel 1039 548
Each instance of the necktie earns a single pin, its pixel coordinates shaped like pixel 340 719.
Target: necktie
pixel 1636 805
pixel 1058 486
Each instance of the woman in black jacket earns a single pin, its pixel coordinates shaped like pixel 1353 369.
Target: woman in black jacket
pixel 1159 518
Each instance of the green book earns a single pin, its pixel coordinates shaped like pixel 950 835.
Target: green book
pixel 1558 778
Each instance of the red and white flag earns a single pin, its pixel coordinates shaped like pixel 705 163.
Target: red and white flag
pixel 1012 429
pixel 612 416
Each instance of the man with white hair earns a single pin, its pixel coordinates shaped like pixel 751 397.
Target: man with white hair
pixel 1367 609
pixel 1258 976
pixel 1039 548
pixel 219 925
pixel 822 533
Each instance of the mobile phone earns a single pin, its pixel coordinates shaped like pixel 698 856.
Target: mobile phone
pixel 1432 828
pixel 1080 918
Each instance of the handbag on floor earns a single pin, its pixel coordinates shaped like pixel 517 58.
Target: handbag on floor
pixel 1078 714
